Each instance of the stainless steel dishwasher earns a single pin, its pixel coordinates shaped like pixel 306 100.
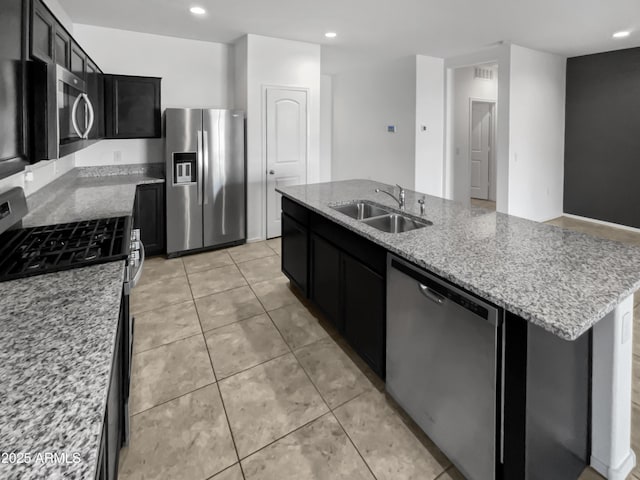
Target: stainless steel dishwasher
pixel 443 365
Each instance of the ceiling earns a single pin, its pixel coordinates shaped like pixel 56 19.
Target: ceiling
pixel 370 30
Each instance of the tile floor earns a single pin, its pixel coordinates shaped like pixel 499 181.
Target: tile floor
pixel 488 204
pixel 235 377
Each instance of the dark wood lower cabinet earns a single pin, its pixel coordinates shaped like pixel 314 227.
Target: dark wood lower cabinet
pixel 364 299
pixel 325 280
pixel 149 215
pixel 346 278
pixel 115 411
pixel 294 252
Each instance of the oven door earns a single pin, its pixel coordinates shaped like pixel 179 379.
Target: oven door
pixel 75 112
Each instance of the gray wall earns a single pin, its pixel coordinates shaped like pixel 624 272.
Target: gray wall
pixel 602 137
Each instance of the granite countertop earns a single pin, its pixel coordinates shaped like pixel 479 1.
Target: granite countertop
pixel 89 193
pixel 58 334
pixel 56 349
pixel 561 280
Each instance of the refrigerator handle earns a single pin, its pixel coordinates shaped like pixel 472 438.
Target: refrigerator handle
pixel 199 158
pixel 206 166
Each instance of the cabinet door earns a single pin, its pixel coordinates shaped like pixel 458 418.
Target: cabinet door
pixel 149 217
pixel 294 252
pixel 42 29
pixel 364 311
pixel 78 61
pixel 325 279
pixel 62 47
pixel 115 409
pixel 132 107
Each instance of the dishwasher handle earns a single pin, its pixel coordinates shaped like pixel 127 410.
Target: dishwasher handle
pixel 431 295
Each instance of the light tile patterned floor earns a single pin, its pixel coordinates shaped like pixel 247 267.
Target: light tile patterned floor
pixel 237 378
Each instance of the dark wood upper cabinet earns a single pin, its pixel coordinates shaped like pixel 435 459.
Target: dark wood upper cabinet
pixel 43 26
pixel 62 47
pixel 78 61
pixel 132 107
pixel 13 136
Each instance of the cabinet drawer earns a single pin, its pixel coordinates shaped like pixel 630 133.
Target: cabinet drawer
pixel 295 211
pixel 372 255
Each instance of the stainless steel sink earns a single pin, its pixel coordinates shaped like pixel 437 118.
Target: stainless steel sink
pixel 396 223
pixel 361 210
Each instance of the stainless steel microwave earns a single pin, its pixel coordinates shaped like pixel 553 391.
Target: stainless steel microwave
pixel 63 115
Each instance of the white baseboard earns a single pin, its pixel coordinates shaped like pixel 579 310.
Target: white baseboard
pixel 602 222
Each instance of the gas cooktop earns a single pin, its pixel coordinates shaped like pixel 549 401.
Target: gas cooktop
pixel 37 250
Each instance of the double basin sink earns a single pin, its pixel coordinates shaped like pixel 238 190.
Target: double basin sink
pixel 382 218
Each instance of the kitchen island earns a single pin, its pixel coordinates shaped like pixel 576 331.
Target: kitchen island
pixel 566 299
pixel 60 333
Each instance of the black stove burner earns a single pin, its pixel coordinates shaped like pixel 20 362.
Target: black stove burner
pixel 37 250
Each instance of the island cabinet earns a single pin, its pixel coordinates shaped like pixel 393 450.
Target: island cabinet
pixel 295 244
pixel 148 216
pixel 342 274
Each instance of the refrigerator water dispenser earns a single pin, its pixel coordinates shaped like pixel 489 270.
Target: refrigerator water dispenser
pixel 184 168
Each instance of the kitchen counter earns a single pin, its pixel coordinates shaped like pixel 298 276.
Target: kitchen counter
pixel 56 349
pixel 89 193
pixel 560 280
pixel 58 334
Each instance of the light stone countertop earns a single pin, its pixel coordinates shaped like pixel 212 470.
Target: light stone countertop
pixel 561 280
pixel 58 332
pixel 82 194
pixel 56 349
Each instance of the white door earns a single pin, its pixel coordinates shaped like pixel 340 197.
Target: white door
pixel 480 144
pixel 286 137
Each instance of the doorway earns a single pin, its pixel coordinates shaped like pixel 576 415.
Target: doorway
pixel 472 124
pixel 286 147
pixel 482 140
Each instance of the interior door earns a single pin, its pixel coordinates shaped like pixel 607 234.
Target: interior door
pixel 480 144
pixel 223 209
pixel 286 137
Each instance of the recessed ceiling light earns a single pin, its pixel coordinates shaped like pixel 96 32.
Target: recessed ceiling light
pixel 331 34
pixel 621 34
pixel 197 10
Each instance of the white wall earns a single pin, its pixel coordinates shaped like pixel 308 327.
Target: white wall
pixel 326 123
pixel 430 114
pixel 365 102
pixel 536 143
pixel 60 13
pixel 275 62
pixel 43 173
pixel 194 74
pixel 466 87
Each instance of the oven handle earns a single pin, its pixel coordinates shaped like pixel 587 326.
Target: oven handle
pixel 91 115
pixel 136 278
pixel 74 112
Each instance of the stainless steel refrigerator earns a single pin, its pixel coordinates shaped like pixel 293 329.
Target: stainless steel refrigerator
pixel 205 172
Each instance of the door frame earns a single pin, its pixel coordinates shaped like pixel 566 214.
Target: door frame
pixel 492 192
pixel 264 181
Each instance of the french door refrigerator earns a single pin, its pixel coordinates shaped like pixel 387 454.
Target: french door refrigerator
pixel 205 172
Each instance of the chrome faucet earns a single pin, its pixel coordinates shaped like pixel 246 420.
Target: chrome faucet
pixel 421 202
pixel 399 198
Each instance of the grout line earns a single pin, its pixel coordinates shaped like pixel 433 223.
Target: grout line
pixel 354 444
pixel 224 408
pixel 286 435
pixel 225 469
pixel 254 366
pixel 172 399
pixel 165 344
